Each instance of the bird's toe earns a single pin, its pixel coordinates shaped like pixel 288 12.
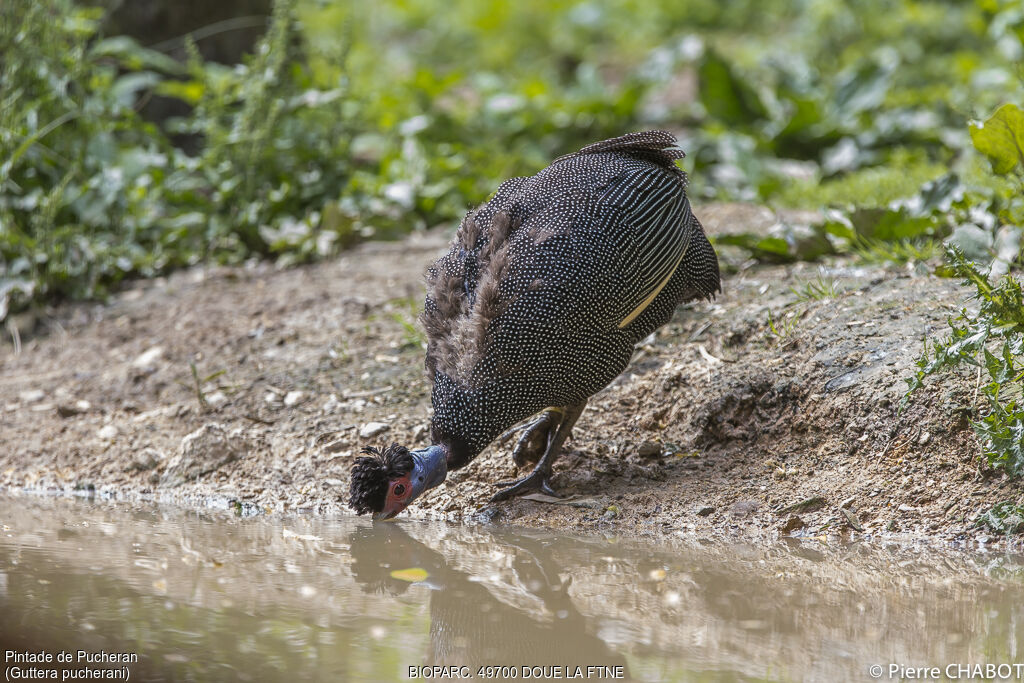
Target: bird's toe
pixel 535 482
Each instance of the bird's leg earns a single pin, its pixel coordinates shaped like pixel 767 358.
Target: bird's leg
pixel 534 437
pixel 537 480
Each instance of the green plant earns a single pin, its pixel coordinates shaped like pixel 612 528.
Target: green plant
pixel 407 314
pixel 1006 518
pixel 816 290
pixel 782 330
pixel 993 341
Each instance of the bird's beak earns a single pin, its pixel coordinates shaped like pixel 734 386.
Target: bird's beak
pixel 430 467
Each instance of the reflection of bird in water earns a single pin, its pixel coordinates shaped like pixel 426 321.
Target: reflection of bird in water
pixel 468 624
pixel 538 305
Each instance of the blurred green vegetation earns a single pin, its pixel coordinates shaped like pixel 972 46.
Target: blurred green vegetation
pixel 355 119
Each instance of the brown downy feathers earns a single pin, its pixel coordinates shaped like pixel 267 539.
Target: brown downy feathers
pixel 459 318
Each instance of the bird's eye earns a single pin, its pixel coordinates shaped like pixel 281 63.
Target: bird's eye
pixel 399 489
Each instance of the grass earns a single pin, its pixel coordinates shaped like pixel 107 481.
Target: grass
pixel 879 252
pixel 783 329
pixel 901 177
pixel 407 315
pixel 816 290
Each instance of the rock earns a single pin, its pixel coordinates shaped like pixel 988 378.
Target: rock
pixel 848 502
pixel 293 398
pixel 705 510
pixel 372 429
pixel 744 508
pixel 107 432
pixel 649 449
pixel 331 405
pixel 146 459
pixel 806 505
pixel 851 519
pixel 31 395
pixel 72 409
pixel 924 438
pixel 216 398
pixel 792 524
pixel 147 359
pixel 419 431
pixel 203 451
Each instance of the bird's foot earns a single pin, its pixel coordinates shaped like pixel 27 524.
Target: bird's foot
pixel 539 480
pixel 533 440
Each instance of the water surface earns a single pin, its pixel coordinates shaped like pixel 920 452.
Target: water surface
pixel 210 596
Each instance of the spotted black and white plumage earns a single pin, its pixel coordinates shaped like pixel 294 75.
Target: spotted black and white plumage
pixel 548 286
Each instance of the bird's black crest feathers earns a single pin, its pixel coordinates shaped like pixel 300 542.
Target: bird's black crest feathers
pixel 373 472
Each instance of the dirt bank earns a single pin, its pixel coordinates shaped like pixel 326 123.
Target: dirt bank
pixel 765 412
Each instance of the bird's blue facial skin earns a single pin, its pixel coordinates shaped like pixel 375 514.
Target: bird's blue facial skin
pixel 430 467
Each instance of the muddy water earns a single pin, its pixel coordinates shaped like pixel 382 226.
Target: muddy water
pixel 211 596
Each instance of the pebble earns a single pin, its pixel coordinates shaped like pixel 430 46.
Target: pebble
pixel 207 449
pixel 792 524
pixel 146 459
pixel 705 510
pixel 146 359
pixel 293 398
pixel 72 409
pixel 649 449
pixel 31 395
pixel 107 432
pixel 744 508
pixel 216 398
pixel 372 429
pixel 331 405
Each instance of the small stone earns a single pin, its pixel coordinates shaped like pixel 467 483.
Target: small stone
pixel 107 432
pixel 147 358
pixel 146 459
pixel 851 519
pixel 418 432
pixel 848 502
pixel 72 409
pixel 779 474
pixel 792 524
pixel 705 510
pixel 924 438
pixel 649 449
pixel 31 395
pixel 744 508
pixel 331 405
pixel 372 429
pixel 205 450
pixel 293 398
pixel 216 398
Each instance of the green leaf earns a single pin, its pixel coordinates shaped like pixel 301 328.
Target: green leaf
pixel 1001 138
pixel 134 56
pixel 725 95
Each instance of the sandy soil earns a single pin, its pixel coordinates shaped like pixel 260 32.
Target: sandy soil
pixel 762 413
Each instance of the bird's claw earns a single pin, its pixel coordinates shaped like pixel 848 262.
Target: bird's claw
pixel 533 440
pixel 536 481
